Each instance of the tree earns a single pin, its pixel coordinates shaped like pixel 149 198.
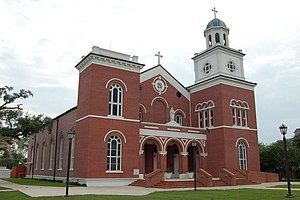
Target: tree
pixel 16 126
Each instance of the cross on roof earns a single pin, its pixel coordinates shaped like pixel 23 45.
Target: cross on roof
pixel 215 12
pixel 158 56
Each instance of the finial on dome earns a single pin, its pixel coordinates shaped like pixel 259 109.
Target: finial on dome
pixel 215 12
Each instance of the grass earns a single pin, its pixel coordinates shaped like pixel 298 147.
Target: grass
pixel 3 188
pixel 36 182
pixel 293 186
pixel 240 194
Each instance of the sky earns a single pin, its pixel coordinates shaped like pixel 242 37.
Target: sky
pixel 41 42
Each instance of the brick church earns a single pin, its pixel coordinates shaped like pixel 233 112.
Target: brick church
pixel 131 123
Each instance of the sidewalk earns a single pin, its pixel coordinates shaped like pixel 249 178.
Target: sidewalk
pixel 38 191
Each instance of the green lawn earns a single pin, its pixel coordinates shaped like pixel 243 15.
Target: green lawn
pixel 296 186
pixel 36 182
pixel 2 188
pixel 241 194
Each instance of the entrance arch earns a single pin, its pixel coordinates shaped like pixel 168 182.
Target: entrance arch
pixel 151 157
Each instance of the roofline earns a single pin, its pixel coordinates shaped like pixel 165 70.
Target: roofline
pixel 159 65
pixel 221 76
pixel 66 112
pixel 215 47
pixel 96 54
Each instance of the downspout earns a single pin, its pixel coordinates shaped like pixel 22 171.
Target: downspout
pixel 56 134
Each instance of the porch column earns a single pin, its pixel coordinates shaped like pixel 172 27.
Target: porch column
pixel 163 160
pixel 142 162
pixel 183 162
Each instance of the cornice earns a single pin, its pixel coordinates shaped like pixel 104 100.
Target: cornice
pixel 93 58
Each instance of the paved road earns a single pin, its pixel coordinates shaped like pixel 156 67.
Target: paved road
pixel 38 191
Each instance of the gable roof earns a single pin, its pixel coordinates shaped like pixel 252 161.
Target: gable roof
pixel 160 70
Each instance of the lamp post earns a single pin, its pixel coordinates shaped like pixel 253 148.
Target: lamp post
pixel 71 135
pixel 283 130
pixel 194 145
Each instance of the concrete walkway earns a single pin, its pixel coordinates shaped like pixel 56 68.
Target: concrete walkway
pixel 38 191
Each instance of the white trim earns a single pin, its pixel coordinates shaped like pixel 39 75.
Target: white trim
pixel 206 108
pixel 233 127
pixel 160 71
pixel 144 108
pixel 172 134
pixel 114 79
pixel 173 129
pixel 192 131
pixel 154 138
pixel 108 62
pixel 176 139
pixel 161 99
pixel 109 132
pixel 186 127
pixel 221 80
pixel 108 117
pixel 180 111
pixel 243 139
pixel 153 127
pixel 113 172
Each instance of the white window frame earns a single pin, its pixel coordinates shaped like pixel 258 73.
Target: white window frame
pixel 242 154
pixel 178 118
pixel 43 156
pixel 51 154
pixel 239 113
pixel 37 157
pixel 119 100
pixel 117 157
pixel 72 154
pixel 205 114
pixel 61 153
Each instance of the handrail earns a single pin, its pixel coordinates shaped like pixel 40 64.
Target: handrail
pixel 154 178
pixel 204 177
pixel 227 177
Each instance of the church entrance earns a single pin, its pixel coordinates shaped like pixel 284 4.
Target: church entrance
pixel 191 159
pixel 173 161
pixel 151 160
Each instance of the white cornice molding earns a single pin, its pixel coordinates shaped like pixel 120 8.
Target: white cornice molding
pixel 221 80
pixel 172 134
pixel 109 62
pixel 107 117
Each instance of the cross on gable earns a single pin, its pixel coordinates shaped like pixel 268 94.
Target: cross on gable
pixel 158 56
pixel 215 12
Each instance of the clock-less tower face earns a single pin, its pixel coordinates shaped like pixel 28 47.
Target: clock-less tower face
pixel 218 58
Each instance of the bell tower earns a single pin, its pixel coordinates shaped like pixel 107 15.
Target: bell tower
pixel 218 58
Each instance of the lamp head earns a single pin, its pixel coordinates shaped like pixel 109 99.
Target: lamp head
pixel 194 143
pixel 283 129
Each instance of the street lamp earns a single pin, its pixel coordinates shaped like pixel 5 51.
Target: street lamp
pixel 194 145
pixel 71 135
pixel 283 131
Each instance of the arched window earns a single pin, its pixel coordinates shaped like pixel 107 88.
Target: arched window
pixel 242 155
pixel 141 115
pixel 51 154
pixel 224 40
pixel 43 155
pixel 178 118
pixel 205 114
pixel 37 157
pixel 115 99
pixel 72 154
pixel 209 41
pixel 61 153
pixel 217 37
pixel 239 112
pixel 114 153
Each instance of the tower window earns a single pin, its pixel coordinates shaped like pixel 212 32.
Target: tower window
pixel 207 68
pixel 209 41
pixel 217 37
pixel 205 114
pixel 114 147
pixel 242 156
pixel 231 66
pixel 239 113
pixel 224 40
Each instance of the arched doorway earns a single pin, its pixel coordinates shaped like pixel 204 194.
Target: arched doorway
pixel 191 158
pixel 151 158
pixel 173 161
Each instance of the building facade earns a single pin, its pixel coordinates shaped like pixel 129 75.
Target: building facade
pixel 130 122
